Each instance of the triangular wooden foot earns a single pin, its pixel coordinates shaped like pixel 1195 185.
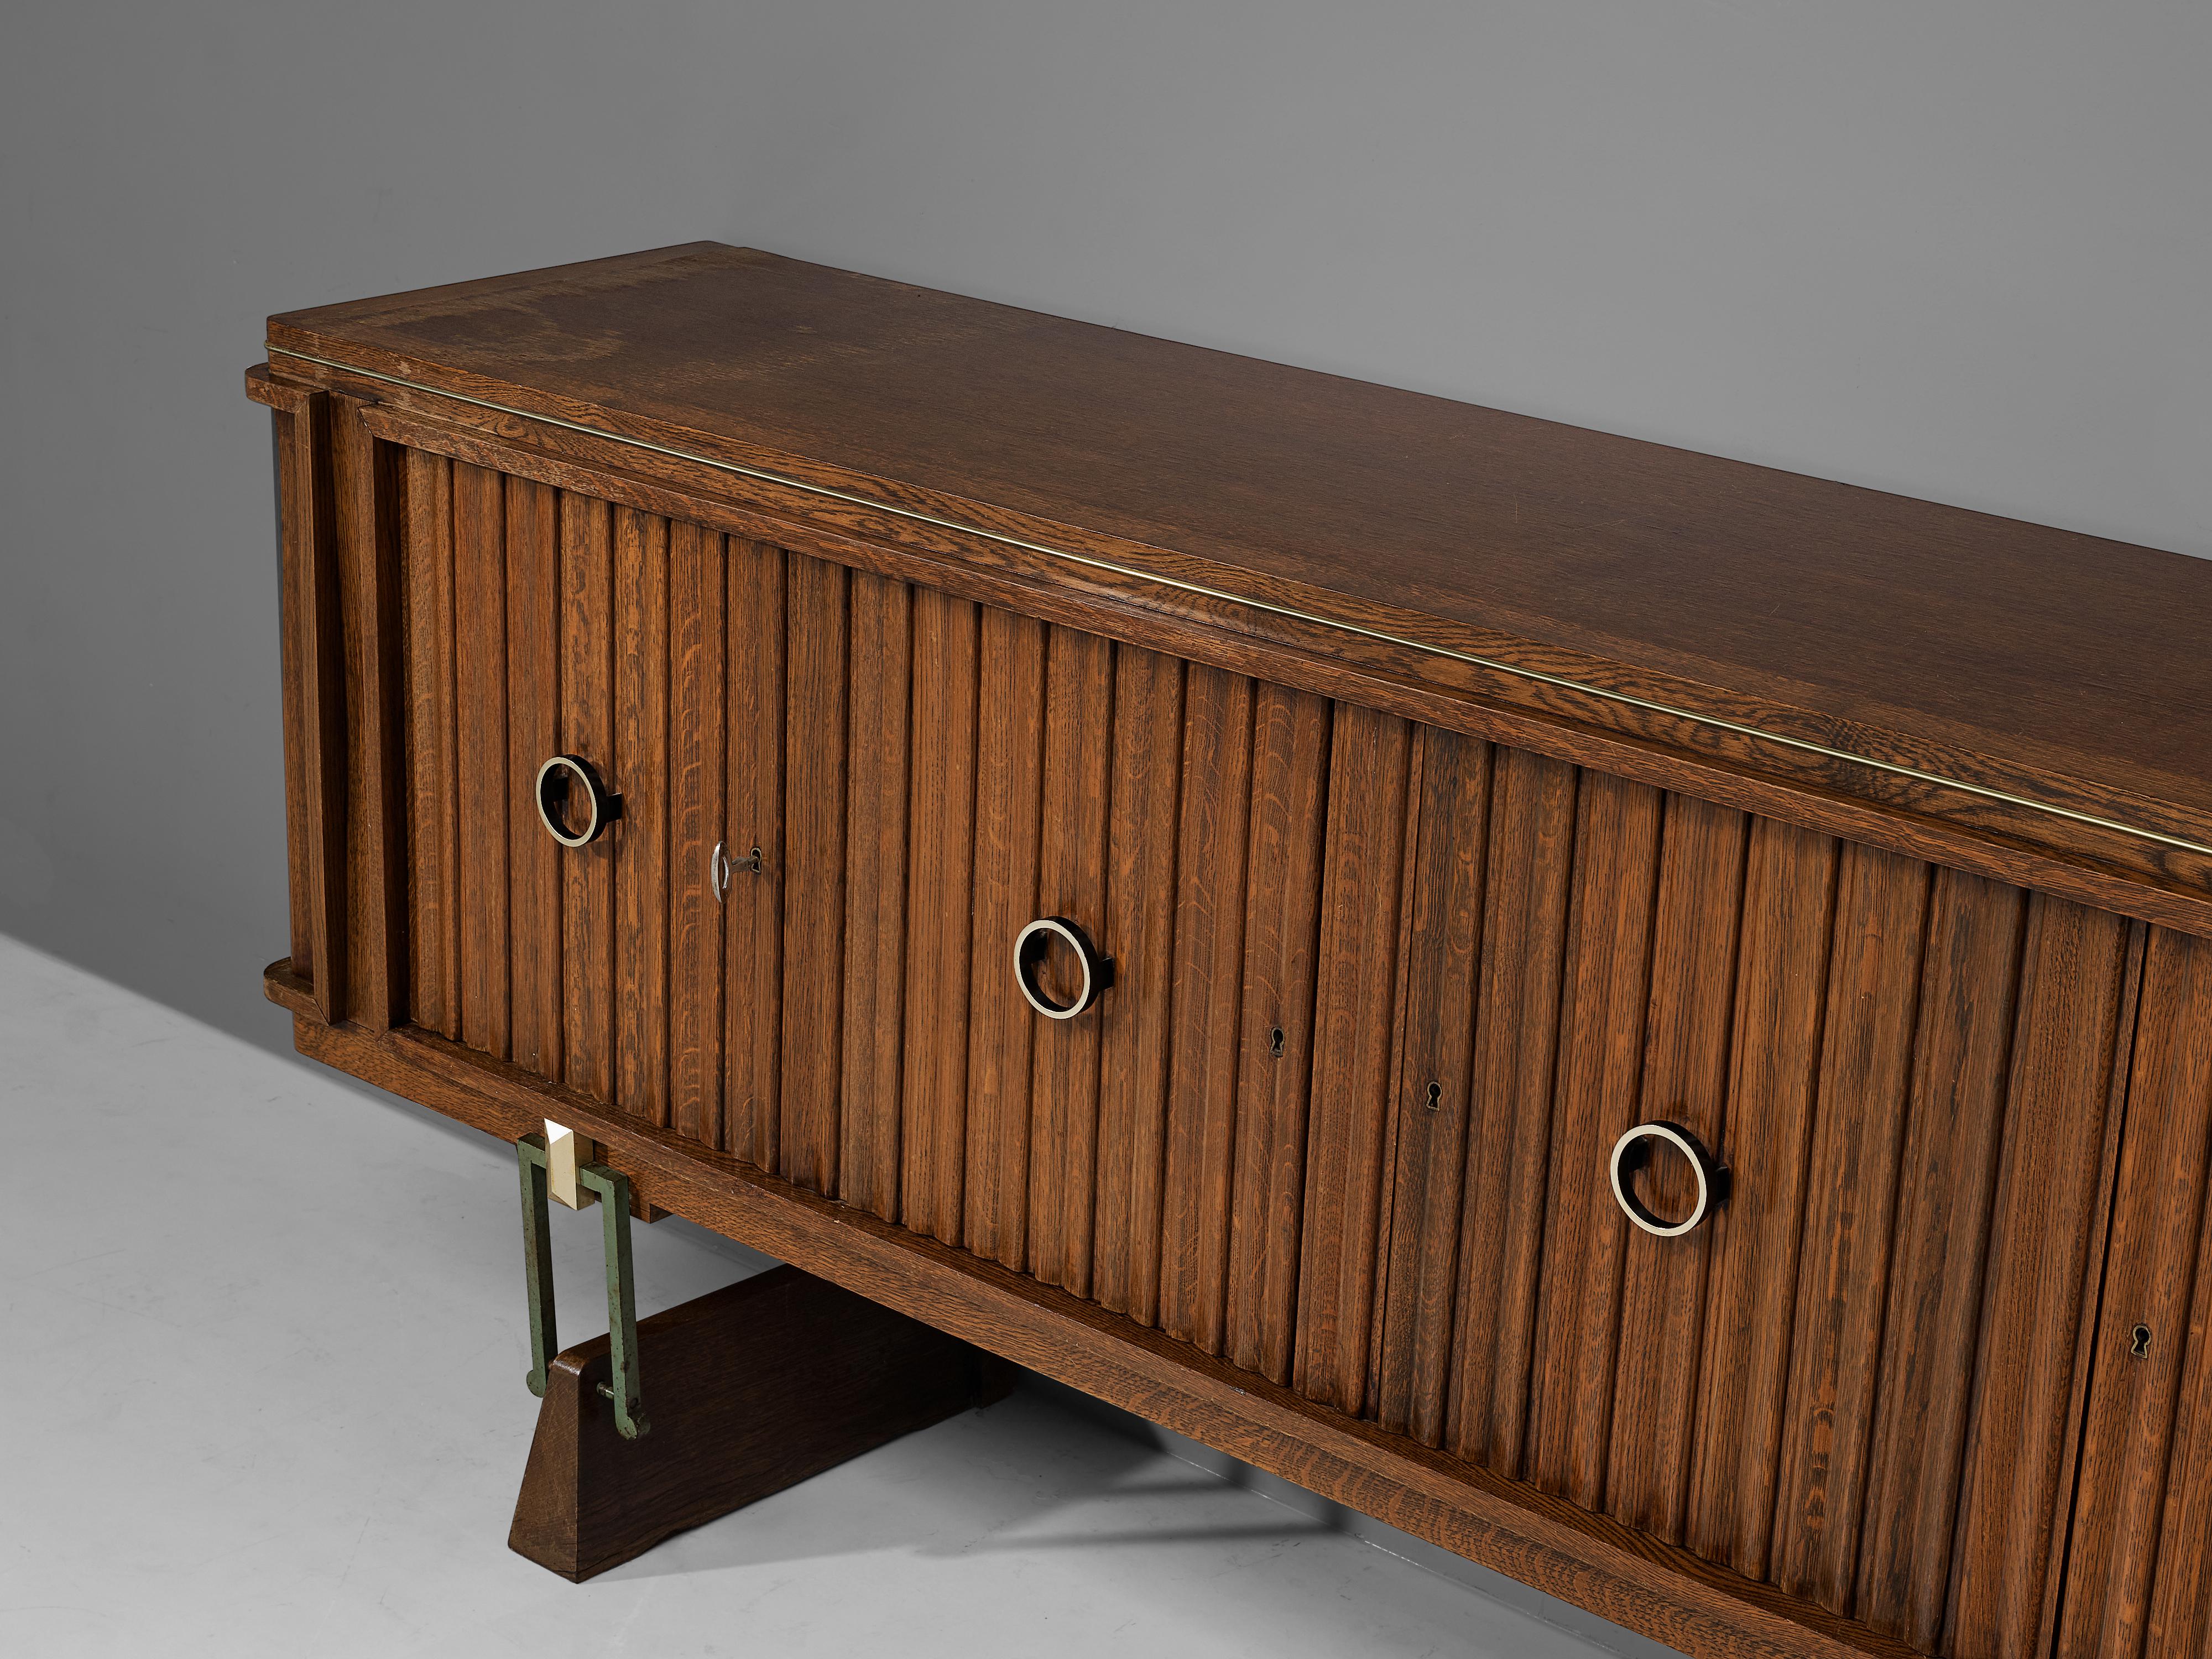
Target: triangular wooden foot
pixel 748 1390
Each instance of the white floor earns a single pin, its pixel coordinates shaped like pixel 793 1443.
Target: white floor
pixel 261 1375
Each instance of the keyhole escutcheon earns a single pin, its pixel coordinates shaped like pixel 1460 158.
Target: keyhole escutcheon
pixel 2139 1342
pixel 1435 1098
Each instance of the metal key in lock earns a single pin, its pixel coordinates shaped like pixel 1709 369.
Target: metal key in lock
pixel 721 866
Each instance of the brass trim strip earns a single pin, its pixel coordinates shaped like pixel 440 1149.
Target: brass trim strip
pixel 1491 663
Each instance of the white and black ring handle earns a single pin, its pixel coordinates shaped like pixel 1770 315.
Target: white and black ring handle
pixel 1633 1151
pixel 560 781
pixel 1029 947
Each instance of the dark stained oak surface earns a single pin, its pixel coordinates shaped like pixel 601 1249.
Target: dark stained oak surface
pixel 755 1388
pixel 1907 623
pixel 1403 943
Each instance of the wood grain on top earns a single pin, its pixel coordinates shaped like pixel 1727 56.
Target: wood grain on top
pixel 1910 629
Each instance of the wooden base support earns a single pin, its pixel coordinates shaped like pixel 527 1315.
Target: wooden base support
pixel 749 1390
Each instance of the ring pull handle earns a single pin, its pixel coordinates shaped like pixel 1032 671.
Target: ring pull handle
pixel 1633 1151
pixel 560 781
pixel 1029 947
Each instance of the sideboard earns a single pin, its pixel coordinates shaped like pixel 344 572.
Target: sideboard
pixel 1643 1018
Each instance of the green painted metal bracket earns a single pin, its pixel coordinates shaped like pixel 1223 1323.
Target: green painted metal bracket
pixel 613 1189
pixel 537 1258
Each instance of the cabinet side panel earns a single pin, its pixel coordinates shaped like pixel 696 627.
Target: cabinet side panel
pixel 641 777
pixel 1078 734
pixel 480 608
pixel 1664 1289
pixel 1602 1003
pixel 2140 1564
pixel 311 576
pixel 587 728
pixel 2048 1177
pixel 813 863
pixel 1509 1105
pixel 752 925
pixel 1282 920
pixel 1141 881
pixel 875 895
pixel 941 911
pixel 291 597
pixel 1873 976
pixel 1355 994
pixel 1970 987
pixel 1443 950
pixel 1789 920
pixel 1009 759
pixel 1212 843
pixel 697 638
pixel 533 729
pixel 365 495
pixel 433 783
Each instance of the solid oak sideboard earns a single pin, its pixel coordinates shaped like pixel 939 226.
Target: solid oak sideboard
pixel 1469 849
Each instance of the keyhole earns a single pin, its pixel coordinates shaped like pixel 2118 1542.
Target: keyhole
pixel 1436 1096
pixel 2139 1342
pixel 1275 1043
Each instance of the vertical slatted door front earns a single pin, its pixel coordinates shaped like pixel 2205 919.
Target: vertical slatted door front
pixel 540 622
pixel 1855 1380
pixel 2139 1561
pixel 757 582
pixel 1152 1152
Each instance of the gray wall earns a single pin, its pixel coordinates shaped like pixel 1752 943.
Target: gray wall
pixel 1958 249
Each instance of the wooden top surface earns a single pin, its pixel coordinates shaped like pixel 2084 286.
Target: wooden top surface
pixel 1912 629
